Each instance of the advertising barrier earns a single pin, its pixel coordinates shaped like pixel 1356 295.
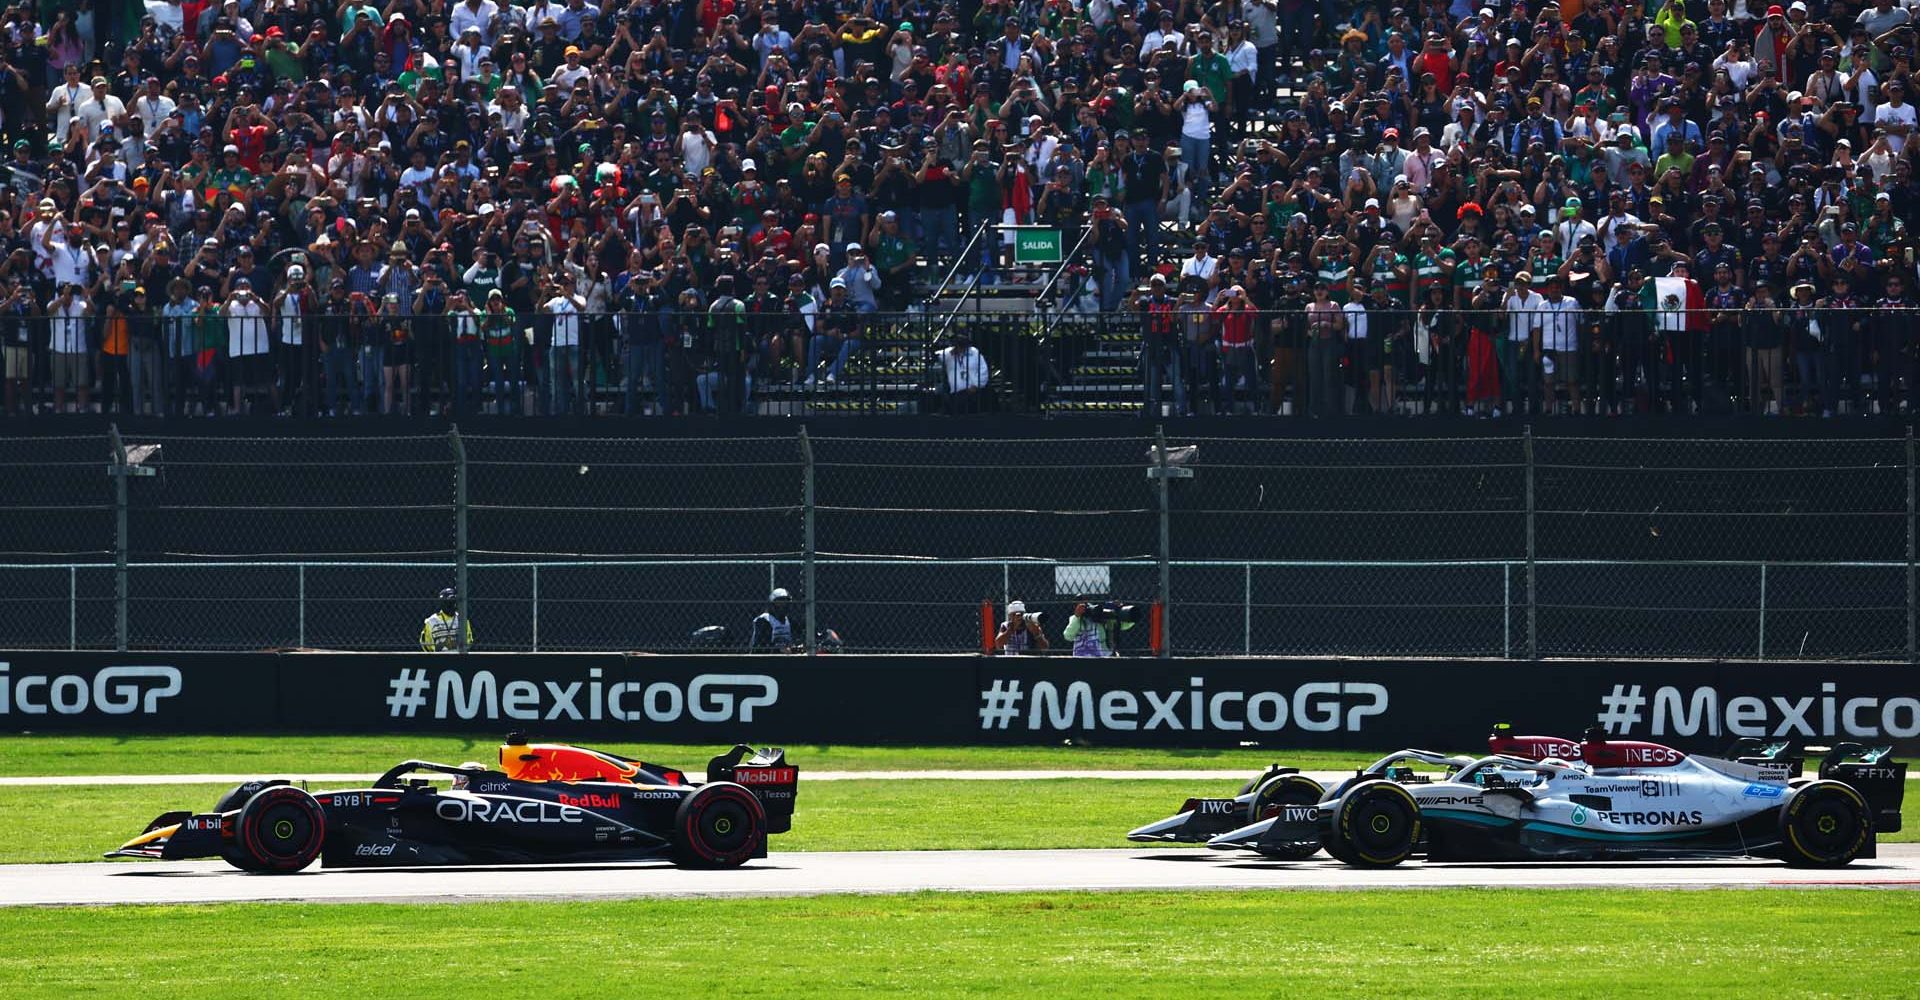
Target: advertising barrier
pixel 1334 704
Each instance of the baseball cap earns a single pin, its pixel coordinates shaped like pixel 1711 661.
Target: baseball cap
pixel 1017 607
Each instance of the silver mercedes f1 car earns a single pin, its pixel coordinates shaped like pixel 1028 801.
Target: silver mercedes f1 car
pixel 1541 799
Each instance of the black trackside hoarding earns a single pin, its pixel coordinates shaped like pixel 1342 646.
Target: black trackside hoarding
pixel 956 700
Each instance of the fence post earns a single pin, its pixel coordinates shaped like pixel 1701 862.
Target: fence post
pixel 536 607
pixel 1506 610
pixel 459 533
pixel 1913 651
pixel 806 556
pixel 1166 537
pixel 1246 609
pixel 1533 624
pixel 119 472
pixel 73 607
pixel 302 641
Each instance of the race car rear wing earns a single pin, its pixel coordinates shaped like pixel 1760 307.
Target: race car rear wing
pixel 767 775
pixel 1870 771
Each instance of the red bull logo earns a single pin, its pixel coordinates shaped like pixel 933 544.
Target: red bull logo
pixel 591 801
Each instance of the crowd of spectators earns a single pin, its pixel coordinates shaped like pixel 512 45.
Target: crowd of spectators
pixel 459 205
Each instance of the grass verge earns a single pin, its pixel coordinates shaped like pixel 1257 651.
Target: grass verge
pixel 50 754
pixel 78 822
pixel 1716 943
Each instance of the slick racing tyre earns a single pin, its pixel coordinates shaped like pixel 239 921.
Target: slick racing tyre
pixel 1286 790
pixel 1375 825
pixel 280 830
pixel 721 825
pixel 1824 824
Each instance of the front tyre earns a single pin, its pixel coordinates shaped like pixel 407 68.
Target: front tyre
pixel 279 831
pixel 1376 824
pixel 721 825
pixel 1285 790
pixel 1824 824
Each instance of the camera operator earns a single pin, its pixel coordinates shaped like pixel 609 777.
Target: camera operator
pixel 1095 628
pixel 1020 632
pixel 773 628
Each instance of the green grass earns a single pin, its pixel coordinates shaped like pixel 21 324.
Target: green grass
pixel 50 754
pixel 78 822
pixel 1444 943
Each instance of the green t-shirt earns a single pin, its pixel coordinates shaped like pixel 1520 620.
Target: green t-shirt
pixel 891 251
pixel 1212 72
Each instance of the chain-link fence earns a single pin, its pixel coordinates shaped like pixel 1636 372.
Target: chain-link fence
pixel 1520 546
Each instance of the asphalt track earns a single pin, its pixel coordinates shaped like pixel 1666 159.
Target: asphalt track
pixel 806 874
pixel 349 779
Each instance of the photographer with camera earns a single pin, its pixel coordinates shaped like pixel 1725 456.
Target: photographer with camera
pixel 1095 629
pixel 1020 632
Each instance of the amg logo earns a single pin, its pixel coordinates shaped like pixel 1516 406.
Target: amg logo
pixel 591 801
pixel 1660 817
pixel 462 810
pixel 374 850
pixel 1453 800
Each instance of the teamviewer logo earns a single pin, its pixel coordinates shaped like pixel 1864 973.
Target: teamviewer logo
pixel 409 693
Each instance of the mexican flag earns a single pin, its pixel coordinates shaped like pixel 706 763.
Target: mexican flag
pixel 1676 303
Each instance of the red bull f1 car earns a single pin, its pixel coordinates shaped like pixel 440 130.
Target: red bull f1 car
pixel 1546 799
pixel 544 803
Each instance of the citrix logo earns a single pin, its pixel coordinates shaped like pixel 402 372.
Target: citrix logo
pixel 111 691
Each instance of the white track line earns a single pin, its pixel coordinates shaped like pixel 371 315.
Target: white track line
pixel 800 874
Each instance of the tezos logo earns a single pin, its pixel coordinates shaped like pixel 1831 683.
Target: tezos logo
pixel 111 691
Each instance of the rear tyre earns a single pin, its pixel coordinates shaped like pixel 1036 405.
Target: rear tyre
pixel 721 825
pixel 1375 825
pixel 1824 824
pixel 279 831
pixel 1286 790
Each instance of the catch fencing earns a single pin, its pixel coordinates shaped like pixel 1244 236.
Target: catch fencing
pixel 1527 546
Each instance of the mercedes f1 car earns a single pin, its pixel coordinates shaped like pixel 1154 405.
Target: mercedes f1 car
pixel 1538 799
pixel 544 803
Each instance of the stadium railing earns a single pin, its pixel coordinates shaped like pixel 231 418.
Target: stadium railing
pixel 1528 546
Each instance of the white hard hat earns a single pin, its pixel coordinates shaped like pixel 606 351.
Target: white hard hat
pixel 1017 608
pixel 296 273
pixel 779 594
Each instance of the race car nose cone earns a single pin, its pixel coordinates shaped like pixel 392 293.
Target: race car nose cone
pixel 1166 829
pixel 1242 839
